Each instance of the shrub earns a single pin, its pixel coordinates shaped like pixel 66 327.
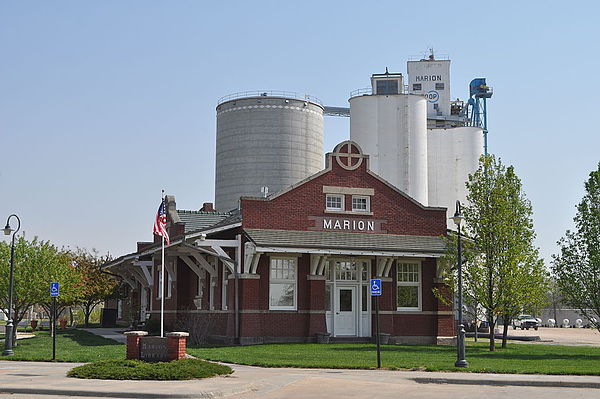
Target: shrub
pixel 184 369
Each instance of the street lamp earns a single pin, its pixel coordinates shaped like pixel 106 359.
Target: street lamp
pixel 8 336
pixel 460 339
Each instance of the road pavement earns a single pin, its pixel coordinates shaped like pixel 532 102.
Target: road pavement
pixel 45 379
pixel 48 380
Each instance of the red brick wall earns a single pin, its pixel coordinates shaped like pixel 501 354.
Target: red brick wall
pixel 291 210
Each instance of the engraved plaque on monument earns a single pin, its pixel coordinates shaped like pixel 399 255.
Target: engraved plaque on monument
pixel 153 349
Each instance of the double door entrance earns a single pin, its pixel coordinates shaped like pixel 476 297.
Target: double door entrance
pixel 348 305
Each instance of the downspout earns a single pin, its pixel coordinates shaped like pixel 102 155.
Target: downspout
pixel 237 289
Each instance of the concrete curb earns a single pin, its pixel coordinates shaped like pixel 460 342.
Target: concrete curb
pixel 125 395
pixel 498 382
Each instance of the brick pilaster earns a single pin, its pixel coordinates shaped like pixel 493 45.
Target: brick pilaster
pixel 316 300
pixel 176 345
pixel 133 344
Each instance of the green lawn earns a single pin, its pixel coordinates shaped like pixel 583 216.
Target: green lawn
pixel 517 358
pixel 71 346
pixel 79 346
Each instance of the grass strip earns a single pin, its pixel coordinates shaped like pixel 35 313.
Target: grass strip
pixel 184 369
pixel 516 359
pixel 72 345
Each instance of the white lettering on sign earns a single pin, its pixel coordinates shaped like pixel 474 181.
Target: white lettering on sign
pixel 348 224
pixel 428 78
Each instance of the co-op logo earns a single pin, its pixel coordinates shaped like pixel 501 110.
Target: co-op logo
pixel 432 96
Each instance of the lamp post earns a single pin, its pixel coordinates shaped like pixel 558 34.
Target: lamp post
pixel 460 339
pixel 8 336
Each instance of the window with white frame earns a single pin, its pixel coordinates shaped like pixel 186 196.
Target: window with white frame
pixel 282 284
pixel 168 284
pixel 361 203
pixel 159 286
pixel 200 290
pixel 334 202
pixel 408 290
pixel 224 286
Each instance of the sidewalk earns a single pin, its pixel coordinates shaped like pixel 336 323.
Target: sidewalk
pixel 38 378
pixel 111 333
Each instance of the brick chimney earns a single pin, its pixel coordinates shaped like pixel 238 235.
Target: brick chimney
pixel 207 207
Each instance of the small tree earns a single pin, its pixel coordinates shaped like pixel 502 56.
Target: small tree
pixel 37 264
pixel 96 286
pixel 498 219
pixel 577 266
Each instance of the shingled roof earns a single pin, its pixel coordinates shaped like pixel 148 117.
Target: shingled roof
pixel 346 241
pixel 198 220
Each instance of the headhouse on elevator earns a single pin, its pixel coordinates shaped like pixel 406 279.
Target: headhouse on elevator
pixel 297 263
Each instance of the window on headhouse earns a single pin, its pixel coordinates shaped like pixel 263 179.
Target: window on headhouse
pixel 417 86
pixel 387 87
pixel 360 203
pixel 334 202
pixel 282 285
pixel 408 286
pixel 439 86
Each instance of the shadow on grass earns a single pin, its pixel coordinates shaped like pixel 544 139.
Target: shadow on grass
pixel 85 338
pixel 394 348
pixel 475 352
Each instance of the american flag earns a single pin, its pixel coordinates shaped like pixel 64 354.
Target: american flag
pixel 160 224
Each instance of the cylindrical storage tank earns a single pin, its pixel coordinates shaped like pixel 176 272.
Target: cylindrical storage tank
pixel 392 130
pixel 264 140
pixel 452 155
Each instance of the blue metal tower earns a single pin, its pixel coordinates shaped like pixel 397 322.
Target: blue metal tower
pixel 479 92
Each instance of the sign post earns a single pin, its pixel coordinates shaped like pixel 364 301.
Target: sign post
pixel 376 292
pixel 54 292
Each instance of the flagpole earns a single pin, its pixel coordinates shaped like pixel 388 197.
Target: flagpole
pixel 162 280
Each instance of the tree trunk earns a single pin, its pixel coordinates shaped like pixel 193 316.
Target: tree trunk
pixel 71 318
pixel 16 320
pixel 492 324
pixel 88 307
pixel 505 332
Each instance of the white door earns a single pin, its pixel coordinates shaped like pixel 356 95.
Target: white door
pixel 345 311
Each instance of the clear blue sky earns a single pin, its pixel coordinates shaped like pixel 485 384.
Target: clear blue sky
pixel 104 103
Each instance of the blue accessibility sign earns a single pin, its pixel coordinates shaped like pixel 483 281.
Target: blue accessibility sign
pixel 375 286
pixel 54 289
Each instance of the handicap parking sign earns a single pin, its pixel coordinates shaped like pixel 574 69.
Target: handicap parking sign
pixel 54 289
pixel 376 286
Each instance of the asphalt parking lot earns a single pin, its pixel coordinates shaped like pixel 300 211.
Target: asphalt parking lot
pixel 560 336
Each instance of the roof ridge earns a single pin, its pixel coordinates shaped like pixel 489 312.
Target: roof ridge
pixel 202 212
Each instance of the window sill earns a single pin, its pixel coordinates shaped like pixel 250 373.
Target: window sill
pixel 349 212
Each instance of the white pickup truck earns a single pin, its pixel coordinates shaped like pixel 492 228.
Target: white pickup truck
pixel 525 322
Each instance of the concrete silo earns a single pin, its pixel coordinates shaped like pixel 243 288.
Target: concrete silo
pixel 391 127
pixel 265 139
pixel 452 154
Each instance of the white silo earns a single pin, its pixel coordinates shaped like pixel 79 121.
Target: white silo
pixel 391 127
pixel 452 154
pixel 265 139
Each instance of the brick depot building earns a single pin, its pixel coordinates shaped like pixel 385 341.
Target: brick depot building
pixel 298 263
